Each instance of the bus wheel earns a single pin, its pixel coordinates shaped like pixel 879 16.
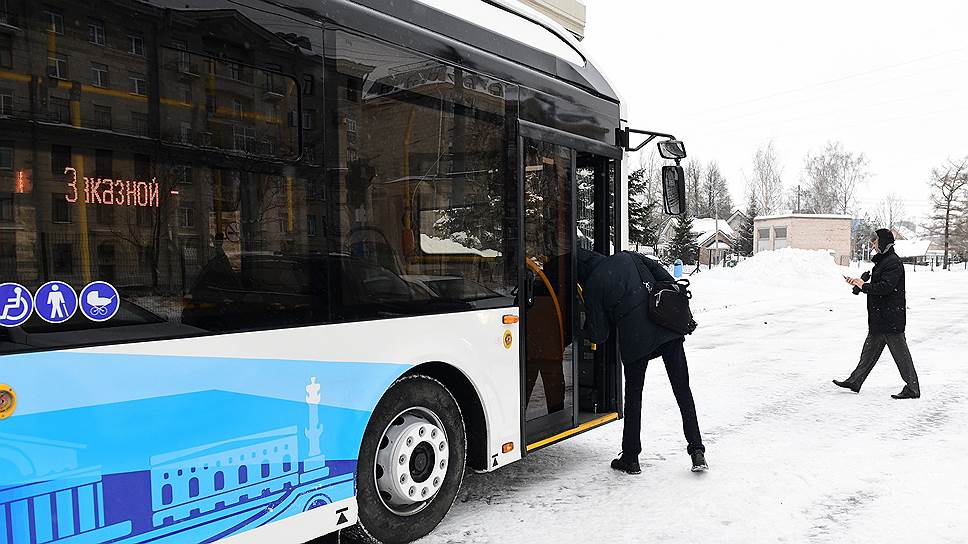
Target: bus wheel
pixel 411 462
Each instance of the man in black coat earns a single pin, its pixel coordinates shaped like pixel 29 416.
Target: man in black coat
pixel 615 296
pixel 886 317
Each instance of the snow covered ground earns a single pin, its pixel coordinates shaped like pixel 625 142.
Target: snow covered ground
pixel 792 457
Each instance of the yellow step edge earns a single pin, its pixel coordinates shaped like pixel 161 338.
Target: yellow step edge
pixel 581 428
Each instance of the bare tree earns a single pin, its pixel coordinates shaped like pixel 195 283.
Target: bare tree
pixel 832 179
pixel 948 183
pixel 766 184
pixel 694 175
pixel 715 193
pixel 890 211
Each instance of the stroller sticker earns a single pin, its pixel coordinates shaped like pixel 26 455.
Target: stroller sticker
pixel 55 302
pixel 99 301
pixel 16 304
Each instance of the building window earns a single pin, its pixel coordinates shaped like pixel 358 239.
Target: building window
pixel 763 239
pixel 183 174
pixel 105 215
pixel 139 123
pixel 62 258
pixel 187 95
pixel 308 119
pixel 244 138
pixel 103 163
pixel 6 155
pixel 137 84
pixel 6 52
pixel 235 71
pixel 55 22
pixel 779 237
pixel 60 159
pixel 211 105
pixel 57 65
pixel 309 84
pixel 136 45
pixel 311 225
pixel 60 110
pixel 238 111
pixel 102 117
pixel 99 75
pixel 6 102
pixel 95 32
pixel 60 212
pixel 6 207
pixel 186 217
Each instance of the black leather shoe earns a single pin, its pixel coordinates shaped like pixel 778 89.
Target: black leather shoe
pixel 905 394
pixel 628 466
pixel 847 385
pixel 699 462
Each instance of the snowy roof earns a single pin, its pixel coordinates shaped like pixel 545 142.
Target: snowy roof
pixel 719 245
pixel 805 216
pixel 911 248
pixel 707 225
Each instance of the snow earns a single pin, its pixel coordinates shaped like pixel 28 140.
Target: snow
pixel 706 227
pixel 438 246
pixel 792 457
pixel 912 248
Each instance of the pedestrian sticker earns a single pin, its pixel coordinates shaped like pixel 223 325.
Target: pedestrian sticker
pixel 55 302
pixel 16 304
pixel 99 301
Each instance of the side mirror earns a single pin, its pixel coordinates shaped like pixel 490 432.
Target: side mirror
pixel 672 149
pixel 673 190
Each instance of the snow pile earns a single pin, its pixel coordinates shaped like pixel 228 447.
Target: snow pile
pixel 787 267
pixel 795 275
pixel 437 246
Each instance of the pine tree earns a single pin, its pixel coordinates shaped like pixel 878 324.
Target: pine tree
pixel 683 244
pixel 747 234
pixel 643 206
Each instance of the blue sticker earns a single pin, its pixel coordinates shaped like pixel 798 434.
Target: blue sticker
pixel 16 304
pixel 55 302
pixel 99 301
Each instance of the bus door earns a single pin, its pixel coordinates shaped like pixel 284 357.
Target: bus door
pixel 567 384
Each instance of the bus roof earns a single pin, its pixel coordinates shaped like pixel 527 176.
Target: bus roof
pixel 505 28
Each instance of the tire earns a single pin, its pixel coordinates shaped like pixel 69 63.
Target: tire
pixel 384 516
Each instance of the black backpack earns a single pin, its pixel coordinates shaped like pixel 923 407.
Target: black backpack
pixel 668 300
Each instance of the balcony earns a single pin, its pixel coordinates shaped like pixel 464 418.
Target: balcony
pixel 273 92
pixel 10 23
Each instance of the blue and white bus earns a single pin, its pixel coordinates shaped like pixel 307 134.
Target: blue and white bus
pixel 273 269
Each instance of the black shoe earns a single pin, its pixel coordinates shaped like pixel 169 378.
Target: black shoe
pixel 628 466
pixel 847 385
pixel 906 394
pixel 699 461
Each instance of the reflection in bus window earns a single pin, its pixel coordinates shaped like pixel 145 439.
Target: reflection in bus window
pixel 187 170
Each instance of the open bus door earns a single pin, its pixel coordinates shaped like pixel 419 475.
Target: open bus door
pixel 569 201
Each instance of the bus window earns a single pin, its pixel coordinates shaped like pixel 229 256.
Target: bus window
pixel 418 148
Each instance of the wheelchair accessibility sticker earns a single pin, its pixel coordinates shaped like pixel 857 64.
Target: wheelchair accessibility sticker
pixel 55 302
pixel 16 304
pixel 99 301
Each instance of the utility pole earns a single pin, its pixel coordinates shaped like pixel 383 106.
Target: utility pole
pixel 716 245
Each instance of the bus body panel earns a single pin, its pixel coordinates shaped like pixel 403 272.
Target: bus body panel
pixel 146 441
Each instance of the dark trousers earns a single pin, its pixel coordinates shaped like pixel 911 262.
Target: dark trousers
pixel 873 347
pixel 553 378
pixel 674 357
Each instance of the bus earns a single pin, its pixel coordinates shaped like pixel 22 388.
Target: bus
pixel 275 269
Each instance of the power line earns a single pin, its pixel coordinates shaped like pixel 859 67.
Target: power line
pixel 836 80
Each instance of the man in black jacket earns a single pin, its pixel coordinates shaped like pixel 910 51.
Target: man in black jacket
pixel 887 317
pixel 615 296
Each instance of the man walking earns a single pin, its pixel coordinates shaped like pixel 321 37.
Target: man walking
pixel 615 296
pixel 886 316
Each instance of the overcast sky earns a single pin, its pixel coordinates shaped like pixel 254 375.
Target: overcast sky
pixel 889 79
